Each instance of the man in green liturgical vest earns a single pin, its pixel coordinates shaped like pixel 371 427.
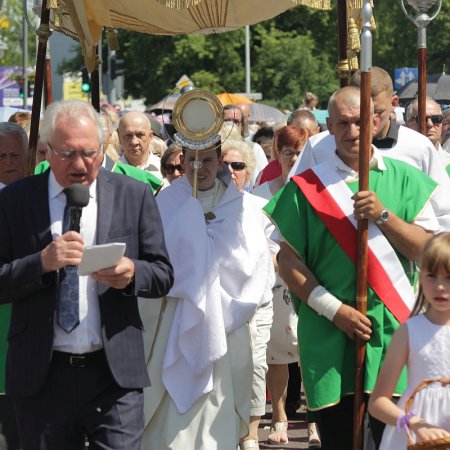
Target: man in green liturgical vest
pixel 316 216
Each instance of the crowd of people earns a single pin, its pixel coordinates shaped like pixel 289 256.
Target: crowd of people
pixel 237 282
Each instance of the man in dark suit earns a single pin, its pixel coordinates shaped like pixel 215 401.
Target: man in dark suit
pixel 85 379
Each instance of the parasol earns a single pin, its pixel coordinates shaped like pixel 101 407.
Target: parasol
pixel 165 104
pixel 437 87
pixel 259 112
pixel 232 99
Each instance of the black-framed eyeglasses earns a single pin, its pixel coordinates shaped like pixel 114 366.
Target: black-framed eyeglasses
pixel 170 168
pixel 237 166
pixel 70 155
pixel 290 153
pixel 435 118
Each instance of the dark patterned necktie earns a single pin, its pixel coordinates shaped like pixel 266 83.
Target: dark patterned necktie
pixel 68 303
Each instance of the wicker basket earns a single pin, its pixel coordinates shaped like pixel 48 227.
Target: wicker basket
pixel 434 444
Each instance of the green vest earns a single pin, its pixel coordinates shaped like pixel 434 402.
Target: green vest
pixel 326 353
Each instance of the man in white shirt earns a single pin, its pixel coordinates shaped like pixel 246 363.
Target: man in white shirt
pixel 76 364
pixel 135 135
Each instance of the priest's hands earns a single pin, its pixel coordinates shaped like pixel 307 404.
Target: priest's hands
pixel 119 276
pixel 352 323
pixel 367 205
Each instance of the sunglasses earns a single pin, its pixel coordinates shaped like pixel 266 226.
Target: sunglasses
pixel 170 168
pixel 237 166
pixel 435 118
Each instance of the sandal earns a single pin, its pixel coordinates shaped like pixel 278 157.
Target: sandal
pixel 313 436
pixel 278 433
pixel 249 444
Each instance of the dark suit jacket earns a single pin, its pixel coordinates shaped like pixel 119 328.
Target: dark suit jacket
pixel 127 212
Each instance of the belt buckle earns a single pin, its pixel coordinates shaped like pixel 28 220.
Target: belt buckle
pixel 77 361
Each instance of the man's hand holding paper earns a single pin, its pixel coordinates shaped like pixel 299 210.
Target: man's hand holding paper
pixel 119 276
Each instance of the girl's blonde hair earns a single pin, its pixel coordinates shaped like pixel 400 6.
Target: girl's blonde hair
pixel 435 259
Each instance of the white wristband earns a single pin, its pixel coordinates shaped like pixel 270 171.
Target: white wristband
pixel 323 302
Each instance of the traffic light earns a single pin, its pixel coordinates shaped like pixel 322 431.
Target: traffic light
pixel 85 81
pixel 117 67
pixel 21 82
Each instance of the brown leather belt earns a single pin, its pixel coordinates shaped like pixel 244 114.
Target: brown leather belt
pixel 79 360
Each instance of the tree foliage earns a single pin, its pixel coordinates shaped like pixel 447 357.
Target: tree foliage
pixel 290 54
pixel 11 34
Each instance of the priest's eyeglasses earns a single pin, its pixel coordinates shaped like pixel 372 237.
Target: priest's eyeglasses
pixel 71 155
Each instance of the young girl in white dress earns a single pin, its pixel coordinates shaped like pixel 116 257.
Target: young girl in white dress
pixel 422 344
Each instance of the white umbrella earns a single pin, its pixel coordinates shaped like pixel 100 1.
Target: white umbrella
pixel 259 112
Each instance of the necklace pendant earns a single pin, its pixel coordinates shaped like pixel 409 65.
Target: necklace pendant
pixel 209 216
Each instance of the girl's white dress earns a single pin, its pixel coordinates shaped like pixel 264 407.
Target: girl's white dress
pixel 429 357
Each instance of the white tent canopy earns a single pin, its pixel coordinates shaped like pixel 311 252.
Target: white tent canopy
pixel 85 19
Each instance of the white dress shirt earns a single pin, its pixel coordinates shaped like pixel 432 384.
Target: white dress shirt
pixel 86 337
pixel 153 164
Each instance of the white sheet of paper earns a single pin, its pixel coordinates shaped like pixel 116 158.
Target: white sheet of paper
pixel 99 257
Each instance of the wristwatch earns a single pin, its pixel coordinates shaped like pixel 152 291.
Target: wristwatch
pixel 384 217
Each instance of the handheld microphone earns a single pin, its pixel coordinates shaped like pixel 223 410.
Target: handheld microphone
pixel 77 197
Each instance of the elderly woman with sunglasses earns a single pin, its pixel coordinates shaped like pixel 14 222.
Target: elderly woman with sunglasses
pixel 282 347
pixel 238 157
pixel 171 168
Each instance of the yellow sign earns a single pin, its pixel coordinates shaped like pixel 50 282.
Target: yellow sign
pixel 4 23
pixel 72 91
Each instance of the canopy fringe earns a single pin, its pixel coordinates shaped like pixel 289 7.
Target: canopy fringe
pixel 317 4
pixel 179 4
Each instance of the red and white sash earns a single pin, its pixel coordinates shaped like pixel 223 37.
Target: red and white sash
pixel 331 199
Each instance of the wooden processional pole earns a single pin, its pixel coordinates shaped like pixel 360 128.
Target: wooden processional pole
pixel 365 141
pixel 43 33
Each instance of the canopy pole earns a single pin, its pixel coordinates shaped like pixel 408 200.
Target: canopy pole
pixel 422 84
pixel 342 37
pixel 43 33
pixel 48 84
pixel 365 141
pixel 95 84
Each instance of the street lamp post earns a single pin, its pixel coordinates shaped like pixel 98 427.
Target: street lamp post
pixel 421 21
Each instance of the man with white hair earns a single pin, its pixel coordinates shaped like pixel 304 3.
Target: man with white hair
pixel 13 153
pixel 76 364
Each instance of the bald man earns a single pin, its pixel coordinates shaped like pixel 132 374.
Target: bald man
pixel 314 263
pixel 434 126
pixel 135 134
pixel 433 120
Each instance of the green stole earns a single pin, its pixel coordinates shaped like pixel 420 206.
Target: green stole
pixel 119 167
pixel 326 353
